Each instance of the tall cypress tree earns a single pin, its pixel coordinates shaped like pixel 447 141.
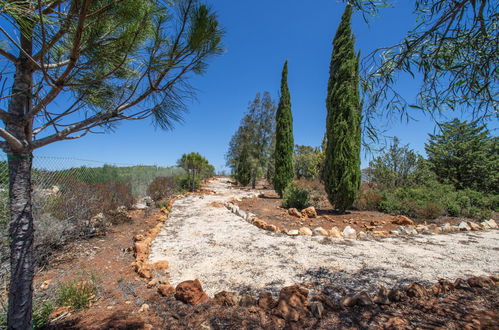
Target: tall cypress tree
pixel 284 143
pixel 342 165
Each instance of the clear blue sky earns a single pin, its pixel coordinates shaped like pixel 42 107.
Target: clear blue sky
pixel 260 36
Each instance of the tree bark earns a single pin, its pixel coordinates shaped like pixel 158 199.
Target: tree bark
pixel 21 246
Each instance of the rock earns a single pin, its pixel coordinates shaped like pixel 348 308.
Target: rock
pixel 260 223
pixel 271 228
pixel 247 300
pixel 459 283
pixel 250 216
pixel 319 231
pixel 474 226
pixel 309 212
pixel 410 231
pixel 166 290
pixel 445 285
pixel 225 298
pixel 360 299
pixel 144 271
pixel 363 236
pixel 138 238
pixel 292 303
pixel 160 265
pixel 415 290
pixel 422 228
pixel 148 326
pixel 396 295
pixel 380 233
pixel 349 232
pixel 381 298
pixel 402 220
pixel 152 283
pixel 463 226
pixel 241 213
pixel 144 308
pixel 266 301
pixel 348 301
pixel 317 309
pixel 335 232
pixel 481 282
pixel 395 232
pixel 447 228
pixel 294 212
pixel 191 292
pixel 293 232
pixel 396 323
pixel 45 285
pixel 489 224
pixel 305 231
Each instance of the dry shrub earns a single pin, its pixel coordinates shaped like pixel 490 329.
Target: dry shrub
pixel 50 235
pixel 162 188
pixel 430 210
pixel 368 198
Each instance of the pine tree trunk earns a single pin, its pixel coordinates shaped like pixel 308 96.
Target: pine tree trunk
pixel 21 246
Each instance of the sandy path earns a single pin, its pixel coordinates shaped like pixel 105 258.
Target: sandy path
pixel 226 253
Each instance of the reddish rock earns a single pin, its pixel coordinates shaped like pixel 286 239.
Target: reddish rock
pixel 265 300
pixel 396 295
pixel 225 298
pixel 309 212
pixel 247 300
pixel 382 297
pixel 294 212
pixel 415 290
pixel 461 284
pixel 191 292
pixel 166 290
pixel 481 282
pixel 292 303
pixel 402 220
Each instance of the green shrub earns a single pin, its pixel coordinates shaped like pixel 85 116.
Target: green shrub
pixel 41 314
pixel 429 210
pixel 189 183
pixel 77 294
pixel 296 197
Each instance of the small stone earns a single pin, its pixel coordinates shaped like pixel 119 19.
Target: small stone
pixel 415 290
pixel 380 233
pixel 382 297
pixel 474 226
pixel 247 300
pixel 481 282
pixel 138 238
pixel 317 309
pixel 395 232
pixel 305 231
pixel 152 283
pixel 292 303
pixel 447 228
pixel 319 231
pixel 349 301
pixel 45 285
pixel 309 212
pixel 271 228
pixel 266 301
pixel 363 236
pixel 191 292
pixel 335 232
pixel 461 284
pixel 143 308
pixel 349 232
pixel 363 299
pixel 492 224
pixel 396 295
pixel 160 265
pixel 463 226
pixel 402 220
pixel 410 231
pixel 226 298
pixel 294 212
pixel 166 290
pixel 293 232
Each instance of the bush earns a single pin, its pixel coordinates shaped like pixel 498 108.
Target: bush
pixel 190 183
pixel 77 294
pixel 50 235
pixel 368 198
pixel 41 314
pixel 296 197
pixel 162 188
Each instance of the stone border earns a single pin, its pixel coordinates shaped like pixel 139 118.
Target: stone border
pixel 350 233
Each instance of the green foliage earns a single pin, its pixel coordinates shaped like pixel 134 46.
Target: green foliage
pixel 341 174
pixel 296 197
pixel 189 183
pixel 284 140
pixel 431 201
pixel 307 162
pixel 77 294
pixel 465 155
pixel 197 168
pixel 41 314
pixel 250 148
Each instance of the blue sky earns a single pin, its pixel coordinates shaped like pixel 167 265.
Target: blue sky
pixel 260 36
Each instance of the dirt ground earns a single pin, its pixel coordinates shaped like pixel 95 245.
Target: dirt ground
pixel 122 294
pixel 267 206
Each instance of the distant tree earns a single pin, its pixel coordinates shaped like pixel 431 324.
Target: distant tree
pixel 466 155
pixel 254 137
pixel 74 67
pixel 197 168
pixel 284 141
pixel 399 166
pixel 451 51
pixel 342 163
pixel 307 162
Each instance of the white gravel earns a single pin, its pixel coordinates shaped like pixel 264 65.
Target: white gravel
pixel 227 253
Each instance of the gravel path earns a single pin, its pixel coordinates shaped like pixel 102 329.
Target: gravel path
pixel 226 253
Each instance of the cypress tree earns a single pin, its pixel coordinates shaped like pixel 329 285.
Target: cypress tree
pixel 284 144
pixel 342 165
pixel 243 168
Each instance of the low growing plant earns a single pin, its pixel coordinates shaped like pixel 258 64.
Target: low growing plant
pixel 296 197
pixel 77 294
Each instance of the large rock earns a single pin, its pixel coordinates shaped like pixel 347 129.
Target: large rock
pixel 489 224
pixel 166 290
pixel 319 231
pixel 349 232
pixel 294 212
pixel 191 292
pixel 305 231
pixel 292 303
pixel 335 232
pixel 463 226
pixel 309 212
pixel 474 226
pixel 402 220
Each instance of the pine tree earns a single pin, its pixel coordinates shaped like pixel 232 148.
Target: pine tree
pixel 284 144
pixel 342 165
